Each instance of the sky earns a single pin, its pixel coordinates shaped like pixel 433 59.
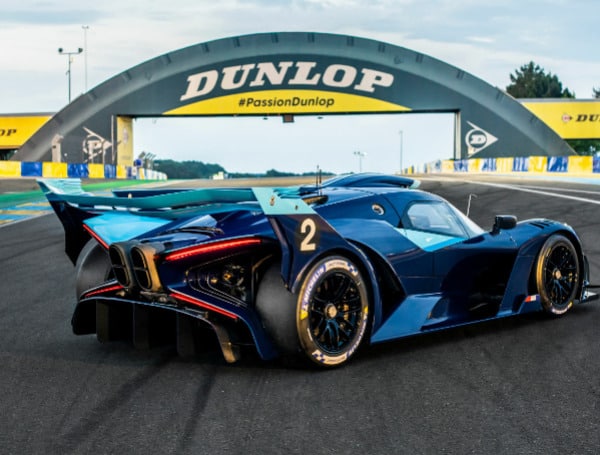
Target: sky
pixel 487 39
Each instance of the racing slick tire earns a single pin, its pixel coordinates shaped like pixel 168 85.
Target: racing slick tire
pixel 326 321
pixel 92 268
pixel 557 274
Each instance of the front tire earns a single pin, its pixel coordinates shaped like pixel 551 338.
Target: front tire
pixel 558 274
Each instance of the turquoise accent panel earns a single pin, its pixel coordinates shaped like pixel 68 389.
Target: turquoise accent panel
pixel 429 241
pixel 408 319
pixel 117 227
pixel 274 202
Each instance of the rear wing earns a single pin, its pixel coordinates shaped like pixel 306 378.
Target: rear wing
pixel 70 191
pixel 301 231
pixel 132 214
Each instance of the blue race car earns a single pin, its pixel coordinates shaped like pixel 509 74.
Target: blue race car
pixel 308 272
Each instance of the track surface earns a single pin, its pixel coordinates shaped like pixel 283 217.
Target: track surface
pixel 524 385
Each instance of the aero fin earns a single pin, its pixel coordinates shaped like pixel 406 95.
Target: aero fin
pixel 61 186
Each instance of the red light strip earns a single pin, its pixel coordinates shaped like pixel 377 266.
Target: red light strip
pixel 96 236
pixel 111 288
pixel 200 303
pixel 210 248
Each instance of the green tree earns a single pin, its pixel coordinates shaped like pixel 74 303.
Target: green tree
pixel 585 146
pixel 531 81
pixel 187 169
pixel 596 92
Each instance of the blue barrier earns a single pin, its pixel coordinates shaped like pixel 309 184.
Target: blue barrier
pixel 461 166
pixel 31 169
pixel 436 166
pixel 110 172
pixel 558 164
pixel 521 164
pixel 488 165
pixel 596 165
pixel 78 170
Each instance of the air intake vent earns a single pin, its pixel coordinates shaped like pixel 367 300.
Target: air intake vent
pixel 541 224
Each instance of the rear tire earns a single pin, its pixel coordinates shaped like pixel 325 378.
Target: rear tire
pixel 326 322
pixel 92 268
pixel 276 307
pixel 558 274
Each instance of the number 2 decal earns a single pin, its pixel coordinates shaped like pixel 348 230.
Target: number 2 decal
pixel 308 229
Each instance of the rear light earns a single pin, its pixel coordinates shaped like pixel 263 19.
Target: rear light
pixel 103 290
pixel 95 236
pixel 207 306
pixel 212 247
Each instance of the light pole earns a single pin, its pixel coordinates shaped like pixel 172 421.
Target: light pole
pixel 85 47
pixel 360 157
pixel 401 141
pixel 69 55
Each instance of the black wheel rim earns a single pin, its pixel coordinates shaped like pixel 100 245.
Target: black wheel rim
pixel 335 313
pixel 561 275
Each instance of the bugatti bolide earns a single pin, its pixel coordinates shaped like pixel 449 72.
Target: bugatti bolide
pixel 310 272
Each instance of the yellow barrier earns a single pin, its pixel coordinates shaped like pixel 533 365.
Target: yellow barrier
pixel 96 171
pixel 581 164
pixel 475 165
pixel 121 172
pixel 10 169
pixel 54 170
pixel 538 164
pixel 447 166
pixel 504 165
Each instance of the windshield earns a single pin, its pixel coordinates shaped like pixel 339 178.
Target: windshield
pixel 439 218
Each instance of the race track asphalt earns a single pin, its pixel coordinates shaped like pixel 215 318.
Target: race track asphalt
pixel 526 385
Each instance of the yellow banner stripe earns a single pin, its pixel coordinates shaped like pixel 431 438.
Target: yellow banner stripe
pixel 268 102
pixel 569 119
pixel 15 130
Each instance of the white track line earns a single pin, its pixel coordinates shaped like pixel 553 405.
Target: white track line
pixel 534 191
pixel 566 190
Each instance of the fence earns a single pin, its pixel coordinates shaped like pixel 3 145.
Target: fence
pixel 579 165
pixel 16 169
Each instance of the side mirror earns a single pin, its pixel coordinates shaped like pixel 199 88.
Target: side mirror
pixel 503 222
